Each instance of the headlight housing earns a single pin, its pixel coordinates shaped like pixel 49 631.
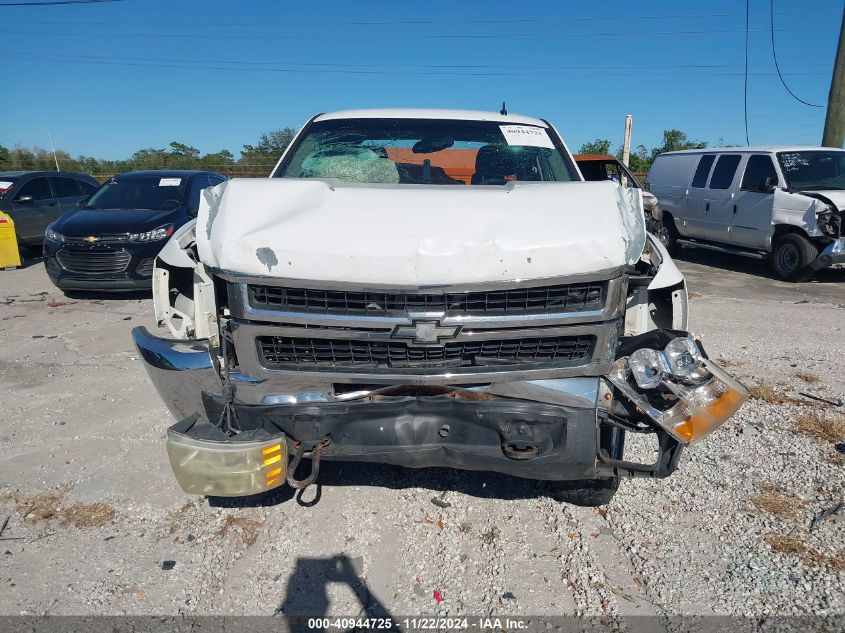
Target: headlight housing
pixel 53 236
pixel 706 395
pixel 648 366
pixel 684 359
pixel 681 358
pixel 155 235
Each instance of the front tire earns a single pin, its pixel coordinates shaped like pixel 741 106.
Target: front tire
pixel 669 235
pixel 588 493
pixel 791 253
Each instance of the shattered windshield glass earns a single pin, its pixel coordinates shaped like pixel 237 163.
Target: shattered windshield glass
pixel 427 151
pixel 813 169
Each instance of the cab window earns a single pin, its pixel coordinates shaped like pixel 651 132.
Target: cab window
pixel 759 168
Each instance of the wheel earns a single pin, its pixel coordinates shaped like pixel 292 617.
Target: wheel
pixel 669 234
pixel 587 492
pixel 791 253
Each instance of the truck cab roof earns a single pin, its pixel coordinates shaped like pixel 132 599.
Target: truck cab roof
pixel 431 113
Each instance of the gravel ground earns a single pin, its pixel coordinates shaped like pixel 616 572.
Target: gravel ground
pixel 98 525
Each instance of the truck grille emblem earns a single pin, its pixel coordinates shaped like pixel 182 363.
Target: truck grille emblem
pixel 425 332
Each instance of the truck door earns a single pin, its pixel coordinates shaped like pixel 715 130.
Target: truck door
pixel 721 194
pixel 754 204
pixel 696 201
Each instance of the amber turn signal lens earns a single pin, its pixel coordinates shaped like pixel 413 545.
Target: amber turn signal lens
pixel 708 406
pixel 704 421
pixel 226 468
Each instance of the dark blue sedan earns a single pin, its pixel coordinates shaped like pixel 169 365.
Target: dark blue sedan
pixel 111 240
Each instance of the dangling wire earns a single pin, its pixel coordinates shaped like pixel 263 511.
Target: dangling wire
pixel 775 55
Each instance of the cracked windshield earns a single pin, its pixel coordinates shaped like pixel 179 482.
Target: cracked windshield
pixel 813 170
pixel 430 152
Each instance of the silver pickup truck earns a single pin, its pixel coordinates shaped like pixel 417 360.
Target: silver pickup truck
pixel 426 288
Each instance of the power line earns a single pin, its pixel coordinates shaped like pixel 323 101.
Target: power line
pixel 544 20
pixel 50 4
pixel 346 71
pixel 543 67
pixel 775 56
pixel 320 36
pixel 745 84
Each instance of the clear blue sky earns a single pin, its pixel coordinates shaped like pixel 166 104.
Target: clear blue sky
pixel 110 78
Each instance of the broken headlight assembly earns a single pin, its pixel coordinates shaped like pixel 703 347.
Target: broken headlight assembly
pixel 830 222
pixel 700 395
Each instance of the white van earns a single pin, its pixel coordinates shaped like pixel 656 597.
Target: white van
pixel 785 203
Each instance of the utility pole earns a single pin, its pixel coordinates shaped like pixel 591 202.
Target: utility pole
pixel 626 148
pixel 834 122
pixel 626 144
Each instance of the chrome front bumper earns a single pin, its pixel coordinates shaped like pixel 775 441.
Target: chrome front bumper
pixel 561 421
pixel 182 370
pixel 834 253
pixel 378 422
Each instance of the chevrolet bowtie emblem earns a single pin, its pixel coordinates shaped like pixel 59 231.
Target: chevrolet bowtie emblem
pixel 426 332
pixel 91 239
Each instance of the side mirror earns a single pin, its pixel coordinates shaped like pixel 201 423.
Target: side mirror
pixel 23 199
pixel 767 187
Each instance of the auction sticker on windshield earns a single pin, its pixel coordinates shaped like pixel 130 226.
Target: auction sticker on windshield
pixel 4 185
pixel 526 135
pixel 169 182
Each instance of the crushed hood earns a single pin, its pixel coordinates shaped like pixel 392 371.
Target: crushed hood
pixel 418 235
pixel 836 196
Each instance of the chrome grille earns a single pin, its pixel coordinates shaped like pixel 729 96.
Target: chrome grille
pixel 94 261
pixel 565 326
pixel 98 239
pixel 508 302
pixel 280 352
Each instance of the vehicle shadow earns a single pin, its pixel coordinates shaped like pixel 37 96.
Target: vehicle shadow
pixel 30 257
pixel 482 485
pixel 757 267
pixel 307 594
pixel 105 295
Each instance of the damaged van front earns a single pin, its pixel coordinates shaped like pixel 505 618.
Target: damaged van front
pixel 426 288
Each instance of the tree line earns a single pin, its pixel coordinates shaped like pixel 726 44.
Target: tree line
pixel 255 160
pixel 258 159
pixel 641 157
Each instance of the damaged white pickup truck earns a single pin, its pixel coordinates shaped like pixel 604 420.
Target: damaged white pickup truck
pixel 426 288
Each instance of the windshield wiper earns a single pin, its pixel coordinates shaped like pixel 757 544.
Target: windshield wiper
pixel 820 187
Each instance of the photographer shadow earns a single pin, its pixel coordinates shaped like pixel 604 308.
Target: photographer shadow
pixel 307 595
